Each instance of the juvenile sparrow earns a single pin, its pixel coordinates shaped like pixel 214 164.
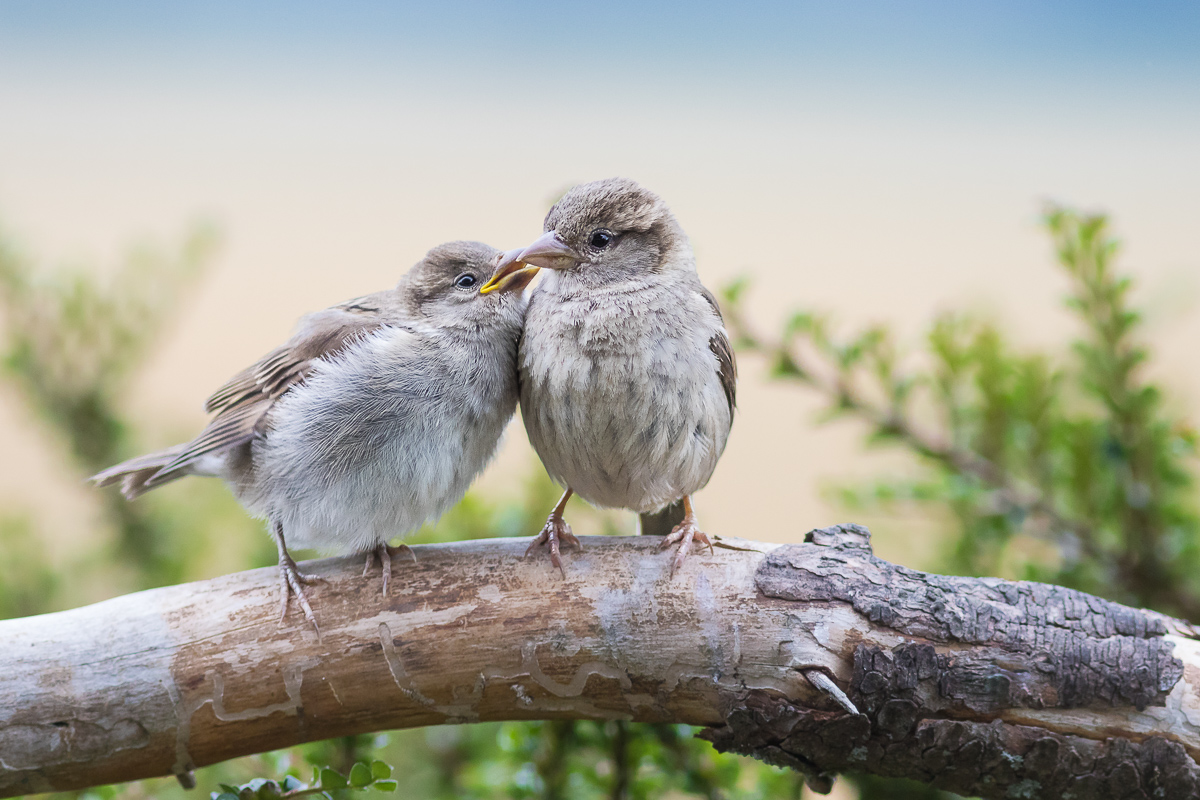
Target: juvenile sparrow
pixel 372 419
pixel 627 376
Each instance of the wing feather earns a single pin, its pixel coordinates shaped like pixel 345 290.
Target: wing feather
pixel 723 350
pixel 242 404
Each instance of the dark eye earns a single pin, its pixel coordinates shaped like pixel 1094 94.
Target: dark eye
pixel 601 239
pixel 465 281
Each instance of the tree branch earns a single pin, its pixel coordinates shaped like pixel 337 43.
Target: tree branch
pixel 975 685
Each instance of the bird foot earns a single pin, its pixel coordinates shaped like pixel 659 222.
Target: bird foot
pixel 385 552
pixel 292 582
pixel 685 534
pixel 556 532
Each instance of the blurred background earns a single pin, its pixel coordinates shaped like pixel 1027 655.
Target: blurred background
pixel 913 211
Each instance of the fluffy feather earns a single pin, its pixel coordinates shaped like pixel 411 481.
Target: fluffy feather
pixel 372 419
pixel 628 381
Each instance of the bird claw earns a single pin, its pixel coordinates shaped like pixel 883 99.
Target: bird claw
pixel 384 552
pixel 685 534
pixel 292 582
pixel 555 531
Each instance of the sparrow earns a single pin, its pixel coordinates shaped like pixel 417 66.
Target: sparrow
pixel 373 418
pixel 628 381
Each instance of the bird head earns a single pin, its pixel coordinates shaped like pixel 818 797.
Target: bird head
pixel 444 285
pixel 606 230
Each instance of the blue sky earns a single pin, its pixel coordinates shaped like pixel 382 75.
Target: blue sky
pixel 1071 54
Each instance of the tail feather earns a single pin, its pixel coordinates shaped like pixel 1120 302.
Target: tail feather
pixel 661 522
pixel 135 474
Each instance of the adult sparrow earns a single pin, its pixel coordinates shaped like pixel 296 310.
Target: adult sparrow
pixel 627 376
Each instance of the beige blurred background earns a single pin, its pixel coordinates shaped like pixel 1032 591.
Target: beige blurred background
pixel 888 196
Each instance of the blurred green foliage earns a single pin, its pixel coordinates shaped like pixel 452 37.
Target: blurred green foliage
pixel 1078 450
pixel 27 579
pixel 74 341
pixel 73 344
pixel 1070 466
pixel 325 781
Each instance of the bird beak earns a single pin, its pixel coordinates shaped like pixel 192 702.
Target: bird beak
pixel 550 252
pixel 547 251
pixel 512 274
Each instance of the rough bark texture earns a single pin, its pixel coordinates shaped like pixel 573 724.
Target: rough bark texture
pixel 984 687
pixel 935 711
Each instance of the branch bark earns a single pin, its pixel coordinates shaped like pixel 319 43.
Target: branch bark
pixel 980 686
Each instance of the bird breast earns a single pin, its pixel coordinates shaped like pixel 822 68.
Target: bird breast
pixel 383 438
pixel 621 396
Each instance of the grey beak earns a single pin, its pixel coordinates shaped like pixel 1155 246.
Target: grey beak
pixel 550 252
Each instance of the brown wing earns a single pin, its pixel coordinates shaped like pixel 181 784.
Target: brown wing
pixel 322 333
pixel 726 363
pixel 242 403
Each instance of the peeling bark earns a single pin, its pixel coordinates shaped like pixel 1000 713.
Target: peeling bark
pixel 981 686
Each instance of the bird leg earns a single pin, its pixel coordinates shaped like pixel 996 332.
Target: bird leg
pixel 556 530
pixel 292 580
pixel 685 533
pixel 384 552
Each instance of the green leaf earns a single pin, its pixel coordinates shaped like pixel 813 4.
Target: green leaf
pixel 258 784
pixel 269 790
pixel 224 796
pixel 733 291
pixel 385 786
pixel 800 322
pixel 360 775
pixel 380 770
pixel 332 779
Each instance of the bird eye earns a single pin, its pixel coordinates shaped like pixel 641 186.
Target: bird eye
pixel 465 281
pixel 601 239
